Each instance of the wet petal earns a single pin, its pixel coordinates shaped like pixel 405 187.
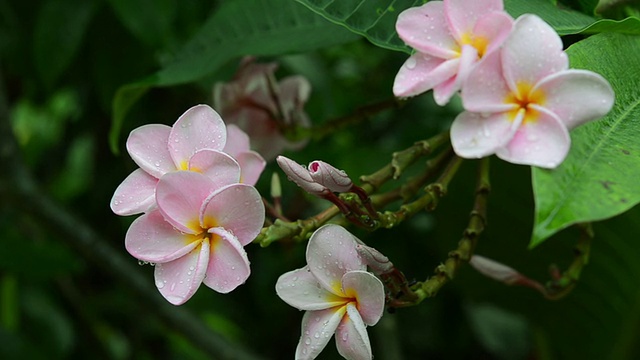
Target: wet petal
pixel 425 29
pixel 180 196
pixel 136 194
pixel 147 146
pixel 544 142
pixel 485 89
pixel 300 176
pixel 198 128
pixel 237 141
pixel 179 279
pixel 369 293
pixel 443 92
pixel 462 15
pixel 294 93
pixel 577 96
pixel 151 238
pixel 352 339
pixel 237 208
pixel 495 28
pixel 474 135
pixel 300 289
pixel 219 167
pixel 329 176
pixel 228 263
pixel 251 167
pixel 423 72
pixel 331 253
pixel 317 328
pixel 532 51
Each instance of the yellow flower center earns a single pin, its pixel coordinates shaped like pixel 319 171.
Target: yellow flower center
pixel 524 97
pixel 478 42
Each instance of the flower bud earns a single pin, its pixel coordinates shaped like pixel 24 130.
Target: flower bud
pixel 378 263
pixel 327 175
pixel 299 175
pixel 495 270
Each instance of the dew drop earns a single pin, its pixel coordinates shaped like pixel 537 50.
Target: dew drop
pixel 159 284
pixel 316 335
pixel 173 287
pixel 411 63
pixel 307 341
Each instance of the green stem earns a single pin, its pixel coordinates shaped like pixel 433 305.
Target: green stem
pixel 562 284
pixel 446 271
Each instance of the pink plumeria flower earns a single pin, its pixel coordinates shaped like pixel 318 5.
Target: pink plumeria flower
pixel 251 163
pixel 197 234
pixel 319 178
pixel 522 101
pixel 261 106
pixel 449 37
pixel 338 294
pixel 193 143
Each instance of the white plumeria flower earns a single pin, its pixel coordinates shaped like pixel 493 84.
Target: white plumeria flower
pixel 338 294
pixel 522 101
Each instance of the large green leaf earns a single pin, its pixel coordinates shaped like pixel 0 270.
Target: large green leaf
pixel 630 25
pixel 239 27
pixel 376 19
pixel 599 178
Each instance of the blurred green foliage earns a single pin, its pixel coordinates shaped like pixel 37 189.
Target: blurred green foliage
pixel 61 65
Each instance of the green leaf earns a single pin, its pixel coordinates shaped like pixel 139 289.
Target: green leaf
pixel 373 19
pixel 564 21
pixel 376 19
pixel 630 25
pixel 58 34
pixel 237 28
pixel 599 178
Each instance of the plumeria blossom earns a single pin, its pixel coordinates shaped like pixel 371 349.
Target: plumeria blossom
pixel 262 107
pixel 195 143
pixel 197 233
pixel 522 101
pixel 449 37
pixel 251 163
pixel 337 293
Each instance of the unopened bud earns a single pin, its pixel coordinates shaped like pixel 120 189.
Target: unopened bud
pixel 276 189
pixel 327 175
pixel 495 270
pixel 301 176
pixel 377 262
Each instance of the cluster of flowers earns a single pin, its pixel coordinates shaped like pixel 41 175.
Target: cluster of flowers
pixel 195 190
pixel 513 76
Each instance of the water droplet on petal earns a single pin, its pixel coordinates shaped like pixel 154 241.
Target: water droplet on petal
pixel 411 63
pixel 307 341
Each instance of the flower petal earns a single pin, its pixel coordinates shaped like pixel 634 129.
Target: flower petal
pixel 300 176
pixel 532 51
pixel 495 28
pixel 369 293
pixel 237 141
pixel 251 166
pixel 462 15
pixel 228 263
pixel 474 135
pixel 352 339
pixel 147 146
pixel 294 93
pixel 198 128
pixel 577 96
pixel 544 142
pixel 317 328
pixel 331 253
pixel 425 29
pixel 300 289
pixel 443 92
pixel 179 279
pixel 237 208
pixel 485 89
pixel 422 72
pixel 219 167
pixel 136 194
pixel 151 238
pixel 180 196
